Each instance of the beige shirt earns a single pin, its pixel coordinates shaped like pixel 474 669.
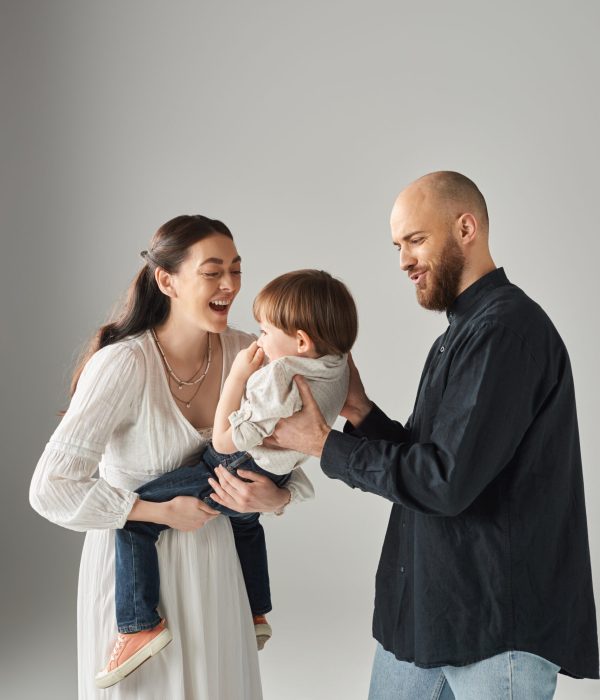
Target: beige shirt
pixel 272 394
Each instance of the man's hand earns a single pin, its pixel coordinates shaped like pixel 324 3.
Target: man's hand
pixel 357 405
pixel 246 362
pixel 305 431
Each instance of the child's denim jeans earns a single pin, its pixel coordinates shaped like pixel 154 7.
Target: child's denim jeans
pixel 136 561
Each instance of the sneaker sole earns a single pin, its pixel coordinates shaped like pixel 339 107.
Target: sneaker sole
pixel 263 633
pixel 105 680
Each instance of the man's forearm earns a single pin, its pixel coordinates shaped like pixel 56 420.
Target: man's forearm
pixel 356 414
pixel 315 441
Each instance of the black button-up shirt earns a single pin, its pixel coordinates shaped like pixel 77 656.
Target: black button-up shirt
pixel 486 549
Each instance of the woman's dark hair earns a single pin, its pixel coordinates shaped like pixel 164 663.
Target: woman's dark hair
pixel 146 306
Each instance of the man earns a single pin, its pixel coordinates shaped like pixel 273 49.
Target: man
pixel 484 585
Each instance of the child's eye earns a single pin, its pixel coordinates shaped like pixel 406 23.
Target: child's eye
pixel 236 272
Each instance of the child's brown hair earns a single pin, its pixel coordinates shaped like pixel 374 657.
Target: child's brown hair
pixel 312 301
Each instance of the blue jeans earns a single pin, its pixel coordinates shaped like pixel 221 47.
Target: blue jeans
pixel 513 675
pixel 137 579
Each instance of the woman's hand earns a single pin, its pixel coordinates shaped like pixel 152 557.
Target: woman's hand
pixel 259 495
pixel 357 405
pixel 246 362
pixel 180 513
pixel 187 513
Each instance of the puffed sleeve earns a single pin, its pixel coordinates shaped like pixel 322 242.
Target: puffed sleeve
pixel 300 486
pixel 64 488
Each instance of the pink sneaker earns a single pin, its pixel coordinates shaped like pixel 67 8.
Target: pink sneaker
pixel 130 651
pixel 262 630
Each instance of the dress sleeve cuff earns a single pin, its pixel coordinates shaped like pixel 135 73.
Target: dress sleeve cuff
pixel 132 499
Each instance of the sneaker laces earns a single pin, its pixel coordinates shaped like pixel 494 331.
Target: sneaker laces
pixel 117 648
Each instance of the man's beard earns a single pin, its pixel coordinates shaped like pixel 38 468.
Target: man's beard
pixel 444 279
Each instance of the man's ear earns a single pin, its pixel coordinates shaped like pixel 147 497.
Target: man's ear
pixel 305 344
pixel 467 228
pixel 164 280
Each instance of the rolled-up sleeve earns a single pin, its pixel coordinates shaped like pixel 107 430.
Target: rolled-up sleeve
pixel 64 488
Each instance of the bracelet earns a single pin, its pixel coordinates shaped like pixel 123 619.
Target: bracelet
pixel 285 505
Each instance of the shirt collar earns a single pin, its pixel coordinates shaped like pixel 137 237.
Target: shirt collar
pixel 476 292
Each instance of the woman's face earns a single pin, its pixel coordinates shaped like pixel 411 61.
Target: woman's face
pixel 206 283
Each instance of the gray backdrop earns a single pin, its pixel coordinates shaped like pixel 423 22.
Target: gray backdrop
pixel 296 123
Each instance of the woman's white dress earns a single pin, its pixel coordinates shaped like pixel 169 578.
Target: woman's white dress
pixel 123 421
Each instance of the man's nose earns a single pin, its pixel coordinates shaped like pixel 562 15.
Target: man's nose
pixel 407 259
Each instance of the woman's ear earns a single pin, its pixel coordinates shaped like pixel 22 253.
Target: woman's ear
pixel 304 344
pixel 164 280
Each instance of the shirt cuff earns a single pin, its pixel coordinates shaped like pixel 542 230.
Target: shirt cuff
pixel 337 454
pixel 375 426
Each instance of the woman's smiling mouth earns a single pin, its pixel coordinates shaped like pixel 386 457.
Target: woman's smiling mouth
pixel 220 306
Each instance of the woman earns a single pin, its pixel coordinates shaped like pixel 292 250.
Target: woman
pixel 143 399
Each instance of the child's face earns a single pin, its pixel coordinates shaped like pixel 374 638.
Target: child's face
pixel 275 342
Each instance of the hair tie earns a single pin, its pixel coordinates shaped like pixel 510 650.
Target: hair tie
pixel 147 256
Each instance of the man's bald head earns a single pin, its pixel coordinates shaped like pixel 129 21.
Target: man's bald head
pixel 451 194
pixel 440 227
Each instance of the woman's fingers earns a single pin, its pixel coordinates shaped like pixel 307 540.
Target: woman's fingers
pixel 229 482
pixel 188 513
pixel 255 477
pixel 257 495
pixel 228 490
pixel 206 508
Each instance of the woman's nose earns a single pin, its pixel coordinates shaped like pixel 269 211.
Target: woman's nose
pixel 227 282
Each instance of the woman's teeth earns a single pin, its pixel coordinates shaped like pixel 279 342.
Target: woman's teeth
pixel 220 304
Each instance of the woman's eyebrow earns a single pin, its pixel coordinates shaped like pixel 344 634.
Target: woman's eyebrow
pixel 219 261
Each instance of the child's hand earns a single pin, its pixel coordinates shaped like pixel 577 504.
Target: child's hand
pixel 246 362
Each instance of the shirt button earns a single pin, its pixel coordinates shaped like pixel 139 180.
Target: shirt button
pixel 401 569
pixel 442 349
pixel 404 523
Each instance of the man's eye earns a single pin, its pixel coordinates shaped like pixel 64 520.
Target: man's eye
pixel 416 241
